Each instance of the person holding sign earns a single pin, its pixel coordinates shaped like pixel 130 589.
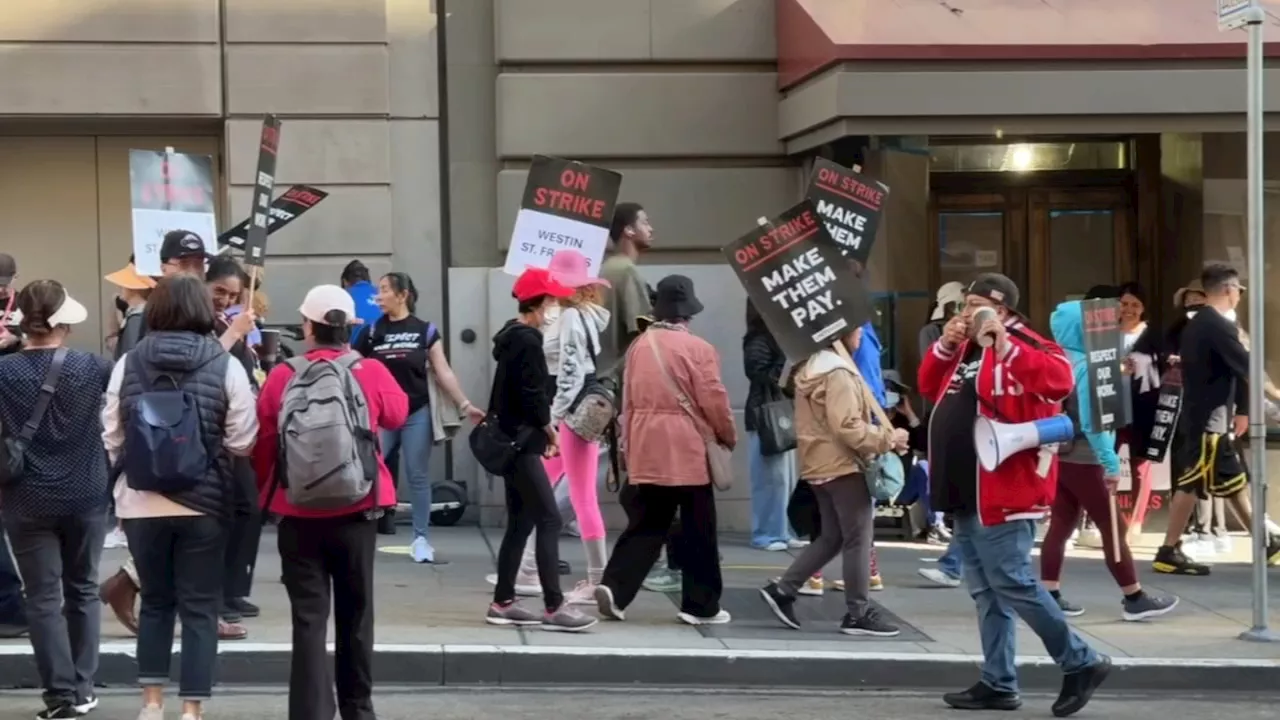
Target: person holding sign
pixel 1088 474
pixel 988 363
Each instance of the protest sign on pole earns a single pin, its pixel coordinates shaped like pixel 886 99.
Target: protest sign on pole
pixel 567 205
pixel 169 191
pixel 850 204
pixel 1168 408
pixel 1103 345
pixel 255 248
pixel 284 210
pixel 797 277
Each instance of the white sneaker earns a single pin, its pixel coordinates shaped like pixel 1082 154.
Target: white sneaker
pixel 525 586
pixel 115 540
pixel 813 587
pixel 421 551
pixel 937 577
pixel 721 618
pixel 584 593
pixel 1222 544
pixel 797 544
pixel 778 546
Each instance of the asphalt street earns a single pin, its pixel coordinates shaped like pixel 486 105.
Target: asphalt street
pixel 684 704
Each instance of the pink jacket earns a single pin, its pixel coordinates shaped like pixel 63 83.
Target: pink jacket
pixel 663 445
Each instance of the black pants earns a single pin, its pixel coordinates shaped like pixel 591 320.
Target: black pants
pixel 648 528
pixel 628 499
pixel 243 535
pixel 531 507
pixel 179 561
pixel 13 610
pixel 329 563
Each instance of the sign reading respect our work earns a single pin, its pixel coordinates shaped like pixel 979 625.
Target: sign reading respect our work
pixel 850 204
pixel 800 281
pixel 1103 346
pixel 567 205
pixel 169 191
pixel 255 248
pixel 284 210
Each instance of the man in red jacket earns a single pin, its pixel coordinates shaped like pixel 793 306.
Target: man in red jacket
pixel 320 549
pixel 1017 377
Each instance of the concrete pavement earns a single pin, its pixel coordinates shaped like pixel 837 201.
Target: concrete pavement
pixel 430 630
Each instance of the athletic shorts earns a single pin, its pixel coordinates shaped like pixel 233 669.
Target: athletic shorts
pixel 1207 465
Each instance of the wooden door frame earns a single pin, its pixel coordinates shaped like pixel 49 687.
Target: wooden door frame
pixel 1012 203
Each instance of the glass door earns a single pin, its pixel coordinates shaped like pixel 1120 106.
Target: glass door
pixel 1079 238
pixel 977 233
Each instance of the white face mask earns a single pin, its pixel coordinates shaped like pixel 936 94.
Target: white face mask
pixel 1230 314
pixel 1191 314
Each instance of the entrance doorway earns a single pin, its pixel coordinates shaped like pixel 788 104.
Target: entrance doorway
pixel 1055 240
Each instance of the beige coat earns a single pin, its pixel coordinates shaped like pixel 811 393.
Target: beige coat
pixel 834 427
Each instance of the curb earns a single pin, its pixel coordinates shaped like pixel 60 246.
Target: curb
pixel 472 665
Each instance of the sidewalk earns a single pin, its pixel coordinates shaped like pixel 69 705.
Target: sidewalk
pixel 430 629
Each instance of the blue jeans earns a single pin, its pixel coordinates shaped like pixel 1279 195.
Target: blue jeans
pixel 13 609
pixel 772 480
pixel 997 570
pixel 950 562
pixel 916 490
pixel 414 438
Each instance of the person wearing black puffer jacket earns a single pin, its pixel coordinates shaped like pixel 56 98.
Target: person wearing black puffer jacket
pixel 774 476
pixel 177 539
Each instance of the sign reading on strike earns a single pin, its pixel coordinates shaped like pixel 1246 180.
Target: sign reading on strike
pixel 797 277
pixel 169 191
pixel 850 204
pixel 255 248
pixel 1103 344
pixel 1168 408
pixel 567 205
pixel 284 210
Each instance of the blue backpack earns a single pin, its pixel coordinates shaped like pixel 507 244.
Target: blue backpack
pixel 164 444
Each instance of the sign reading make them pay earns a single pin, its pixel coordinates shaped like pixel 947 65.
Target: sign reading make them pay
pixel 567 205
pixel 850 204
pixel 799 280
pixel 1233 14
pixel 169 191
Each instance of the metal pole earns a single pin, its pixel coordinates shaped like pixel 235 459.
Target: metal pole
pixel 1257 343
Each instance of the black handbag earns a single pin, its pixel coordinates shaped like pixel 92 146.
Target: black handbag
pixel 492 446
pixel 775 422
pixel 13 449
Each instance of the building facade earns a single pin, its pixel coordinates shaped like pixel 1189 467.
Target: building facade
pixel 1065 143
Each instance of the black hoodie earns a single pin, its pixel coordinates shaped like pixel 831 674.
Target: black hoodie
pixel 520 396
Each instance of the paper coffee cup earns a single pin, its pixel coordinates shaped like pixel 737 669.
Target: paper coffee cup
pixel 980 318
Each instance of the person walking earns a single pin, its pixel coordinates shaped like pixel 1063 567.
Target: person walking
pixel 327 549
pixel 410 348
pixel 773 477
pixel 674 404
pixel 172 496
pixel 838 439
pixel 355 280
pixel 989 364
pixel 55 511
pixel 521 403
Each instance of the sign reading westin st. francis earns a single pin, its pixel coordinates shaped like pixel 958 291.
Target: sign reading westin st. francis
pixel 169 191
pixel 567 205
pixel 850 204
pixel 799 280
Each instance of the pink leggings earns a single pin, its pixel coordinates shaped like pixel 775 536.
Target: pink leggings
pixel 579 462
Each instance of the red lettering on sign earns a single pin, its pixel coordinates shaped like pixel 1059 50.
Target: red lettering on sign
pixel 569 202
pixel 849 187
pixel 575 179
pixel 776 239
pixel 1101 319
pixel 270 139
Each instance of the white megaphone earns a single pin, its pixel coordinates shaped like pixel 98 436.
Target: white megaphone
pixel 997 441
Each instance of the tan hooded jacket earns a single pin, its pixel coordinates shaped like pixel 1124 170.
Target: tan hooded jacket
pixel 834 427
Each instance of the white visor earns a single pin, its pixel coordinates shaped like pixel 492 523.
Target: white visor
pixel 71 313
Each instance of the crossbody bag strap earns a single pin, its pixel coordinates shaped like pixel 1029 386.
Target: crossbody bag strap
pixel 681 398
pixel 586 331
pixel 47 389
pixel 870 398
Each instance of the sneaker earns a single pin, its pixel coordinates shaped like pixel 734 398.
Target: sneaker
pixel 1090 538
pixel 1273 552
pixel 776 546
pixel 58 712
pixel 1147 606
pixel 566 619
pixel 1172 561
pixel 982 697
pixel 877 583
pixel 1078 687
pixel 421 551
pixel 87 706
pixel 151 712
pixel 571 529
pixel 721 618
pixel 13 632
pixel 870 624
pixel 525 586
pixel 1222 544
pixel 783 606
pixel 115 540
pixel 813 586
pixel 1198 545
pixel 797 544
pixel 511 614
pixel 837 585
pixel 606 605
pixel 1068 608
pixel 663 581
pixel 584 593
pixel 937 577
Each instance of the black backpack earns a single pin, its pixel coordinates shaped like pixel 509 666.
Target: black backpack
pixel 165 450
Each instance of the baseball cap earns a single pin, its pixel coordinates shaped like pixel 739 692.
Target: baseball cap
pixel 179 244
pixel 950 293
pixel 128 278
pixel 995 287
pixel 324 299
pixel 8 269
pixel 536 282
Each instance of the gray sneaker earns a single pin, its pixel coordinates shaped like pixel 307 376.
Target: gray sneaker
pixel 663 581
pixel 567 619
pixel 511 614
pixel 1147 606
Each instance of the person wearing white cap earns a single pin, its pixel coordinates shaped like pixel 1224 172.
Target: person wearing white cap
pixel 945 304
pixel 55 511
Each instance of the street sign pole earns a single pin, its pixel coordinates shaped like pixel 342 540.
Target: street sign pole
pixel 1249 14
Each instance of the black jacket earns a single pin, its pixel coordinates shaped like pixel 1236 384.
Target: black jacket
pixel 131 332
pixel 1215 369
pixel 762 362
pixel 520 396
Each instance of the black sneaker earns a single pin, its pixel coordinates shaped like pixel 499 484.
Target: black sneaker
pixel 982 697
pixel 13 632
pixel 1068 608
pixel 783 606
pixel 870 624
pixel 1078 687
pixel 1172 561
pixel 243 607
pixel 1147 606
pixel 58 712
pixel 564 568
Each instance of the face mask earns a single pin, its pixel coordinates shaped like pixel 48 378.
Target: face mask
pixel 1230 314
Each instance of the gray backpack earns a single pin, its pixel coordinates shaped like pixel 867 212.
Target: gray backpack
pixel 328 449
